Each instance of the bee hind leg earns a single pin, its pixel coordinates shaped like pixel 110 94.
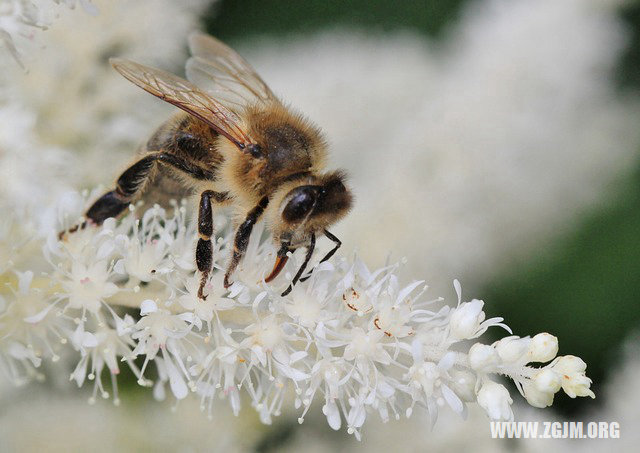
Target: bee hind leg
pixel 241 240
pixel 204 249
pixel 108 205
pixel 130 184
pixel 114 202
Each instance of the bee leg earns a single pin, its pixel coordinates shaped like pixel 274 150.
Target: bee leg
pixel 310 248
pixel 108 205
pixel 338 243
pixel 113 203
pixel 241 240
pixel 130 183
pixel 204 249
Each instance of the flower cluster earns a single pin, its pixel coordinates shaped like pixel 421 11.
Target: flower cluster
pixel 19 19
pixel 355 339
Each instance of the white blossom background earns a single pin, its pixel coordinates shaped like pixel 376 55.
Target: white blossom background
pixel 465 152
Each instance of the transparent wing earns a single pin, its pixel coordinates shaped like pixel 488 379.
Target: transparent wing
pixel 187 96
pixel 221 72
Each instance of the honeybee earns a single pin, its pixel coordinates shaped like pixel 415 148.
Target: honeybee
pixel 234 143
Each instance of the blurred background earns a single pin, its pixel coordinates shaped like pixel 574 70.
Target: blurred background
pixel 496 142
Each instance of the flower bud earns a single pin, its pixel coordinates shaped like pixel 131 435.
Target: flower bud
pixel 512 349
pixel 465 320
pixel 494 398
pixel 547 380
pixel 574 381
pixel 483 357
pixel 543 348
pixel 537 397
pixel 464 384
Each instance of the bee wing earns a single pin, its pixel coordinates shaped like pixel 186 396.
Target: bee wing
pixel 187 96
pixel 224 74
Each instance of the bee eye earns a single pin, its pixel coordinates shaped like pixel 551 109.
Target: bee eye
pixel 255 150
pixel 301 202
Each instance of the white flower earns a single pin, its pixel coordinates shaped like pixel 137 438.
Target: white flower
pixel 88 285
pixel 537 397
pixel 547 380
pixel 306 305
pixel 514 349
pixel 155 328
pixel 540 390
pixel 30 329
pixel 205 309
pixel 464 384
pixel 366 345
pixel 574 381
pixel 393 317
pixel 543 348
pixel 264 335
pixel 495 400
pixel 142 263
pixel 466 319
pixel 483 357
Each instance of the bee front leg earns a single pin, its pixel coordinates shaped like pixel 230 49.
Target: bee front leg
pixel 310 248
pixel 241 240
pixel 337 242
pixel 204 249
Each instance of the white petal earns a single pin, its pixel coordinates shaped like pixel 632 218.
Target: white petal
pixel 176 381
pixel 297 356
pixel 452 399
pixel 385 390
pixel 292 373
pixel 235 289
pixel 80 372
pixel 258 299
pixel 119 267
pixel 158 391
pixel 330 410
pixel 89 340
pixel 148 306
pixel 191 319
pixel 38 316
pixel 456 285
pixel 24 281
pixel 447 361
pixel 20 352
pixel 234 400
pixel 105 250
pixel 416 350
pixel 407 290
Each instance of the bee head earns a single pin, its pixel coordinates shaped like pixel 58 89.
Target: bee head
pixel 306 210
pixel 313 207
pixel 334 200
